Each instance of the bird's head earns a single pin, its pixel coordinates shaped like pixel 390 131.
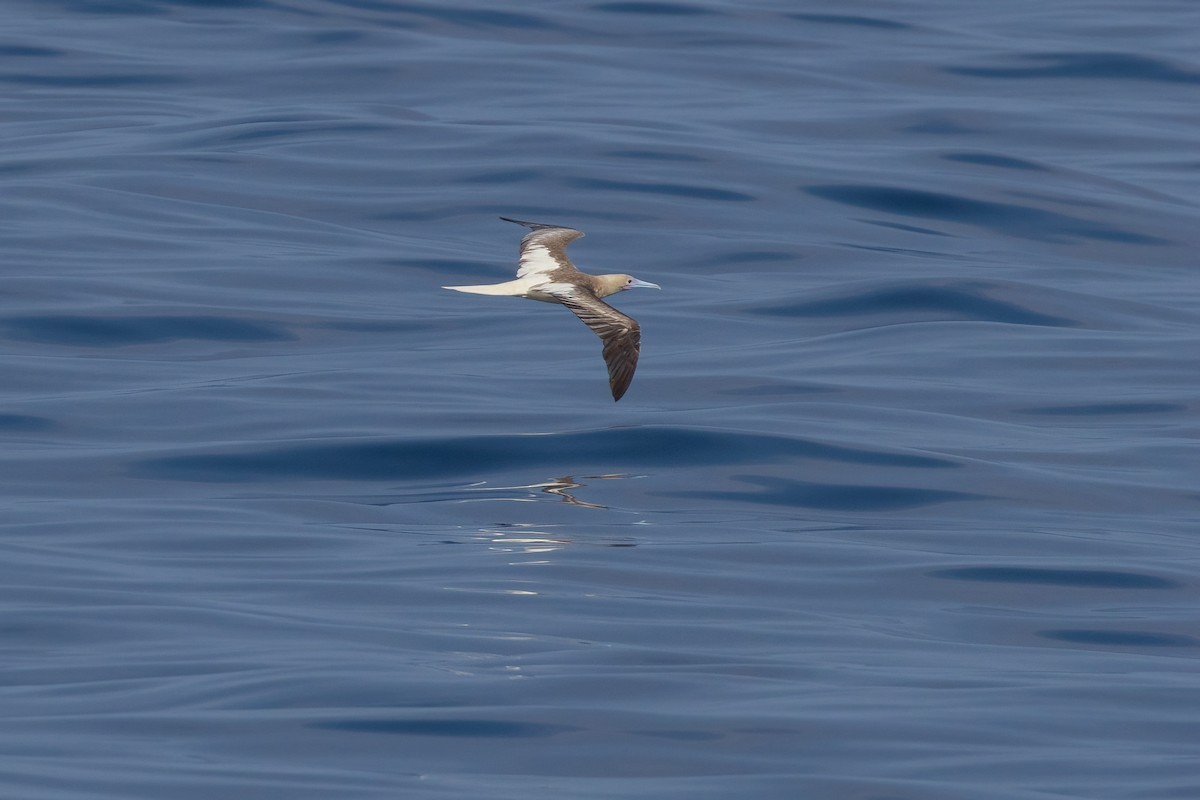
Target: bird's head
pixel 620 283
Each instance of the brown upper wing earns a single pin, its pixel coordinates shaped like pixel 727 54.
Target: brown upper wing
pixel 544 249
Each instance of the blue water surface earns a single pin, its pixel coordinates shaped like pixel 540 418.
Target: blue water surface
pixel 902 503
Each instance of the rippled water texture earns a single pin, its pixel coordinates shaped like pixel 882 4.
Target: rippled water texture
pixel 901 504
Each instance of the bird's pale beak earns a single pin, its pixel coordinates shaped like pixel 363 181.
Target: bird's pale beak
pixel 636 284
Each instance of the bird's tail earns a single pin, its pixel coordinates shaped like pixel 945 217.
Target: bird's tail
pixel 509 288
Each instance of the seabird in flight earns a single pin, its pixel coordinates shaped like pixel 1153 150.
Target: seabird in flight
pixel 545 273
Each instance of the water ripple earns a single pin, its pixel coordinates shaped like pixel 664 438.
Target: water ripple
pixel 827 496
pixel 927 300
pixel 475 17
pixel 104 331
pixel 994 160
pixel 1088 66
pixel 1105 409
pixel 25 423
pixel 462 456
pixel 670 189
pixel 1007 218
pixel 1094 578
pixel 852 20
pixel 452 728
pixel 1119 638
pixel 653 9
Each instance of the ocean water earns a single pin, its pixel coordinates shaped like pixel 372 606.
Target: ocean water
pixel 902 503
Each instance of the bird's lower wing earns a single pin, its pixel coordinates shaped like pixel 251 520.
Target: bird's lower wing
pixel 620 334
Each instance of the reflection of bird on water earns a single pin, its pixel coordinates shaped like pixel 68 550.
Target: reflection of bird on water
pixel 559 487
pixel 545 273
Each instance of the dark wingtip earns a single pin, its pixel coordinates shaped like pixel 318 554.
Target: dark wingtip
pixel 531 225
pixel 619 389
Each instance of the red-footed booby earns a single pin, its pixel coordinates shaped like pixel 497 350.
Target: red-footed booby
pixel 545 273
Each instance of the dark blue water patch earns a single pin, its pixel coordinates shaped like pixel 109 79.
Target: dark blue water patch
pixel 1108 638
pixel 670 189
pixel 852 20
pixel 24 423
pixel 504 176
pixel 261 129
pixel 624 448
pixel 749 257
pixel 939 123
pixel 682 735
pixel 441 266
pixel 1005 218
pixel 1104 409
pixel 830 497
pixel 653 9
pixel 921 302
pixel 217 3
pixel 1076 201
pixel 84 331
pixel 904 251
pixel 773 389
pixel 375 326
pixel 472 16
pixel 901 227
pixel 1079 578
pixel 110 6
pixel 992 160
pixel 90 80
pixel 27 51
pixel 338 37
pixel 1093 66
pixel 450 728
pixel 654 155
